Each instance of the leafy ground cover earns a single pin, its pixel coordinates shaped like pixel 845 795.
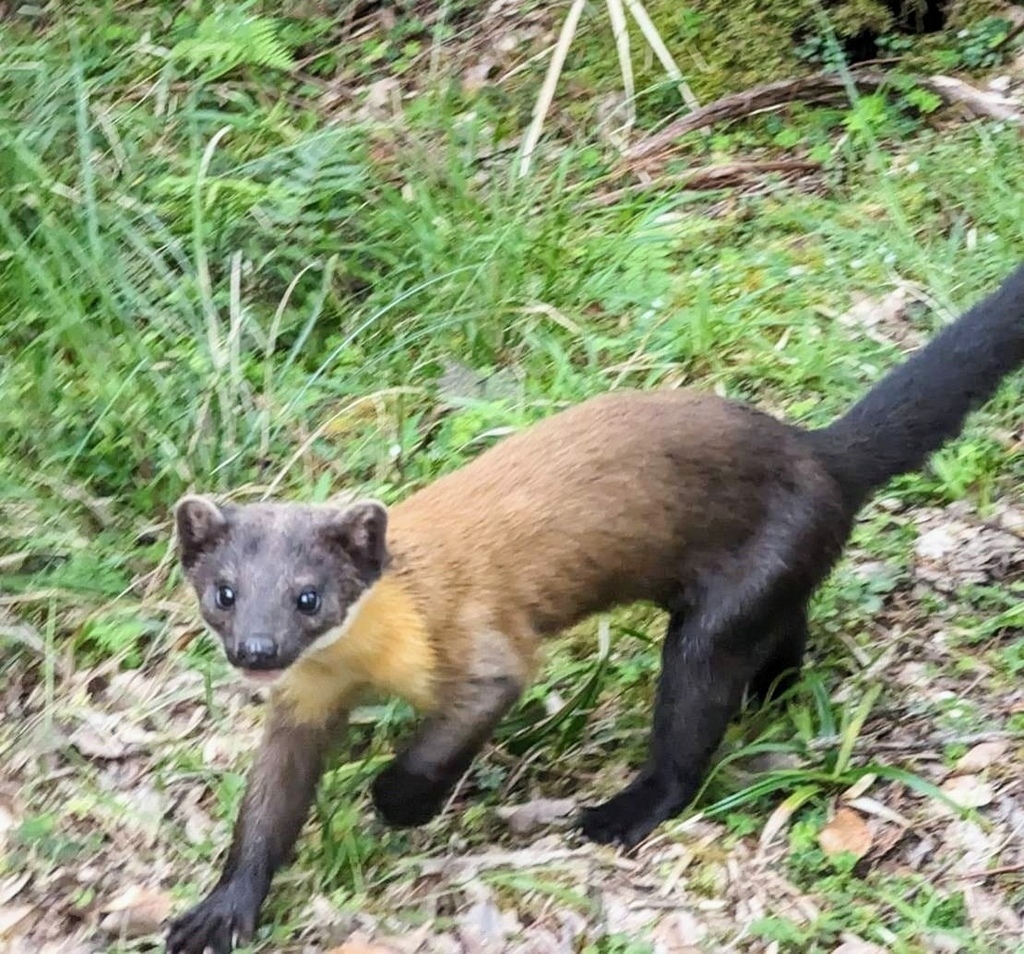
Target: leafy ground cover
pixel 287 252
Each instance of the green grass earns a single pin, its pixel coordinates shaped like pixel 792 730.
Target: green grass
pixel 208 281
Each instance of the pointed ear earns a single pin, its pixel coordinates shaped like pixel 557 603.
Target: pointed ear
pixel 200 523
pixel 360 530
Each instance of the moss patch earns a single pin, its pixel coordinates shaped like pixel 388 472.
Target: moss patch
pixel 728 45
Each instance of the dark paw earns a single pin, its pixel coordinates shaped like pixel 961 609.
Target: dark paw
pixel 405 799
pixel 225 918
pixel 629 817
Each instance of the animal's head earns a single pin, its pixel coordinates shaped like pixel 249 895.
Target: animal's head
pixel 275 580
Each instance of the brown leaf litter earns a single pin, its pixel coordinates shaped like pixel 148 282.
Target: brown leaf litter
pixel 102 764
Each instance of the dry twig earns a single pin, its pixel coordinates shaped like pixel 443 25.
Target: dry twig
pixel 713 177
pixel 822 86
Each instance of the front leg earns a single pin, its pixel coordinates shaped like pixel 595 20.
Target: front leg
pixel 279 790
pixel 413 788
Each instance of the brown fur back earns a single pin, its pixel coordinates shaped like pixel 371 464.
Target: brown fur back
pixel 616 500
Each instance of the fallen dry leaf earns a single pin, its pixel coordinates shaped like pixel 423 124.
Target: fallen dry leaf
pixel 475 78
pixel 981 756
pixel 778 820
pixel 12 915
pixel 985 910
pixel 968 791
pixel 360 947
pixel 136 911
pixel 383 98
pixel 327 917
pixel 967 846
pixel 95 743
pixel 107 736
pixel 679 932
pixel 11 887
pixel 625 918
pixel 225 750
pixel 858 788
pixel 855 945
pixel 8 818
pixel 414 943
pixel 871 806
pixel 483 927
pixel 34 946
pixel 536 813
pixel 847 832
pixel 884 319
pixel 198 824
pixel 954 549
pixel 1006 516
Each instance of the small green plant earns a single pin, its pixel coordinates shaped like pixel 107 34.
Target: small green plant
pixel 870 119
pixel 894 44
pixel 823 52
pixel 227 38
pixel 981 46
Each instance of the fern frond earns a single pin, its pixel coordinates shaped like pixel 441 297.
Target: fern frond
pixel 229 38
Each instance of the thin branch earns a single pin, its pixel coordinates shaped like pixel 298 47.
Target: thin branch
pixel 822 86
pixel 620 32
pixel 712 177
pixel 657 44
pixel 547 90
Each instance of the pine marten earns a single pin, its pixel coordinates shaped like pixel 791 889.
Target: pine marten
pixel 723 516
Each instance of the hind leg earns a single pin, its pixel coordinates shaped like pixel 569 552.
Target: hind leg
pixel 699 691
pixel 709 658
pixel 781 670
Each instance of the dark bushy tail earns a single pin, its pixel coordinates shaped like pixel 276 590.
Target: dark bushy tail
pixel 922 403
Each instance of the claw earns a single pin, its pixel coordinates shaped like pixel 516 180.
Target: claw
pixel 216 925
pixel 629 817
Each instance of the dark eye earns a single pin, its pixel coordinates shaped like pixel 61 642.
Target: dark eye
pixel 308 601
pixel 224 597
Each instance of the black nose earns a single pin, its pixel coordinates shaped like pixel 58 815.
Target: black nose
pixel 256 652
